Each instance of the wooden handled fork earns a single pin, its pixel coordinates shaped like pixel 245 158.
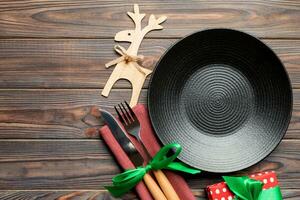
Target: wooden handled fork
pixel 133 127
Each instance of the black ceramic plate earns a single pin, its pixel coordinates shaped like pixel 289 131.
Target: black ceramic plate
pixel 224 96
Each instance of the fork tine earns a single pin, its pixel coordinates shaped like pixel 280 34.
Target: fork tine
pixel 129 118
pixel 123 111
pixel 123 114
pixel 131 111
pixel 120 116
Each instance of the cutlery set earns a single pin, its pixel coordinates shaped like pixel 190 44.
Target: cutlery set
pixel 130 122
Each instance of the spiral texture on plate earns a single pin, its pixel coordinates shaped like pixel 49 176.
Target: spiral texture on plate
pixel 218 99
pixel 224 96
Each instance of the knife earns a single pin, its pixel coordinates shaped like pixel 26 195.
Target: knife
pixel 131 152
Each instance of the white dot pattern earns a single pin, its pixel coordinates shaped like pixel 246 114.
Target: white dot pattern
pixel 221 193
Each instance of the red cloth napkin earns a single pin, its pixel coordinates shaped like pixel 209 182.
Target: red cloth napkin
pixel 152 145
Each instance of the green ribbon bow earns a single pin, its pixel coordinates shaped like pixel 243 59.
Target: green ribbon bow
pixel 125 181
pixel 245 188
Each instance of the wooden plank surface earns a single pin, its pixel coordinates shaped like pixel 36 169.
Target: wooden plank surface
pixel 52 56
pixel 63 113
pixel 86 164
pixel 61 63
pixel 96 19
pixel 62 195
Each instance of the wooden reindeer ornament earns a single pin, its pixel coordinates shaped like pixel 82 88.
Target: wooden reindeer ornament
pixel 127 66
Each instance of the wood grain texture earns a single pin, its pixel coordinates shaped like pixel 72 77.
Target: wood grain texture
pixel 91 19
pixel 61 195
pixel 63 113
pixel 86 164
pixel 60 63
pixel 54 113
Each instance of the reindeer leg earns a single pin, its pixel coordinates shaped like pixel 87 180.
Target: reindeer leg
pixel 115 75
pixel 137 85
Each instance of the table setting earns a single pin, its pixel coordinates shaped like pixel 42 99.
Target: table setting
pixel 150 100
pixel 219 101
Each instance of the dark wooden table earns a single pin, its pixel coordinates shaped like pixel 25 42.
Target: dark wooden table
pixel 52 56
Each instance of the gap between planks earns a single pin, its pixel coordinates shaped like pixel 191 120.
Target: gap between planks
pixel 112 38
pixel 78 89
pixel 87 140
pixel 85 190
pixel 55 190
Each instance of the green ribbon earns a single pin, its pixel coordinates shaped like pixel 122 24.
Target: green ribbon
pixel 245 188
pixel 125 181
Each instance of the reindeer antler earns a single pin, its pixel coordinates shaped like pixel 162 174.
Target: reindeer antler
pixel 154 24
pixel 136 17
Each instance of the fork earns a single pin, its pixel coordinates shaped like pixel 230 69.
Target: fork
pixel 133 127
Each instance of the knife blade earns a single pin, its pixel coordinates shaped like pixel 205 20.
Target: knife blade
pixel 122 139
